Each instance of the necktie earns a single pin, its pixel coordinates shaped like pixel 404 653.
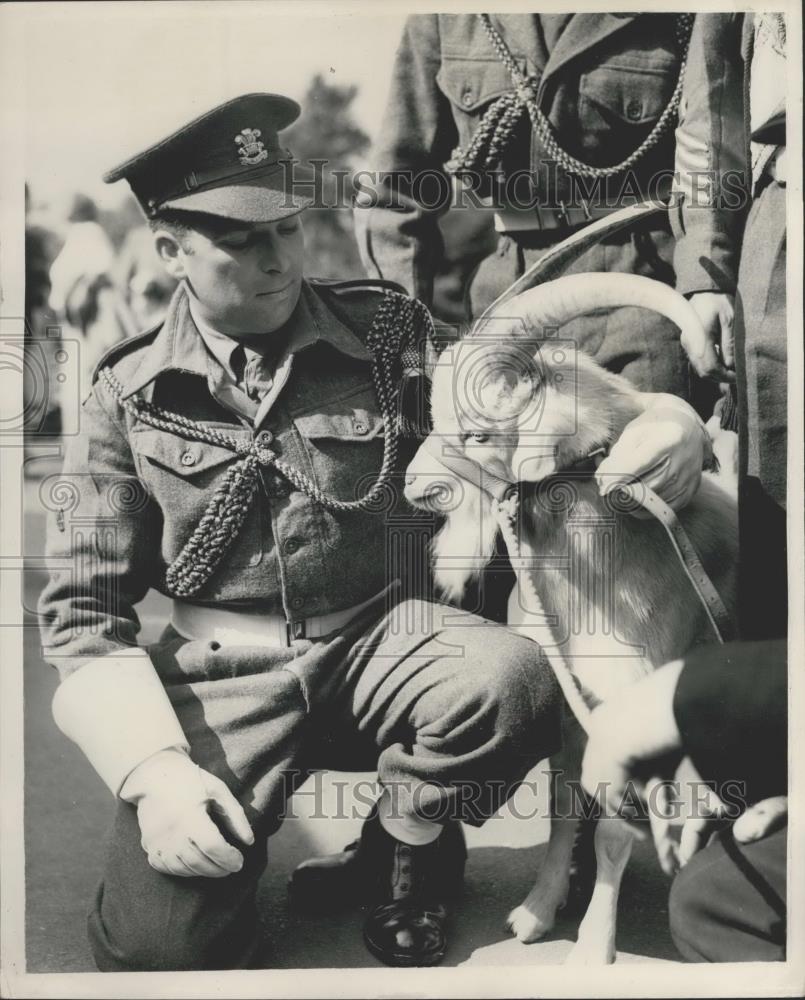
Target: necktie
pixel 256 379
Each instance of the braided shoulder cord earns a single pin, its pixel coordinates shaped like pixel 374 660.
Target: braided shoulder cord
pixel 393 334
pixel 498 123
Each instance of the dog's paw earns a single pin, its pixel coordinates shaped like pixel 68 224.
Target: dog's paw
pixel 590 953
pixel 528 926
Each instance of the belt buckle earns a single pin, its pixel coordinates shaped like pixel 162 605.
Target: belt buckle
pixel 294 630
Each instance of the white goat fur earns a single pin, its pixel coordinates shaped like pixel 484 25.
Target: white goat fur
pixel 617 615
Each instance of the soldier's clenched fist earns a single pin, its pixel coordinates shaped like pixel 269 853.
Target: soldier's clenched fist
pixel 176 802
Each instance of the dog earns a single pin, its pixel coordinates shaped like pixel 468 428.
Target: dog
pixel 512 405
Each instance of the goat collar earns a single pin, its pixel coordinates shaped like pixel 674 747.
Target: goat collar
pixel 461 465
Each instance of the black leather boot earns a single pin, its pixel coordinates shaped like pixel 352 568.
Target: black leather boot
pixel 356 874
pixel 406 922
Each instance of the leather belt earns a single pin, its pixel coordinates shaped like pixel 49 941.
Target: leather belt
pixel 249 628
pixel 539 217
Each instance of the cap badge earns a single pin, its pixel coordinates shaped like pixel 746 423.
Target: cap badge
pixel 250 149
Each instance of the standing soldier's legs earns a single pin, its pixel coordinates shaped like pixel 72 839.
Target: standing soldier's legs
pixel 761 370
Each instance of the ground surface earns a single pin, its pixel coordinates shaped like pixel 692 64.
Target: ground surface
pixel 68 812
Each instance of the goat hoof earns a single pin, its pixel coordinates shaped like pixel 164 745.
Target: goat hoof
pixel 528 926
pixel 582 954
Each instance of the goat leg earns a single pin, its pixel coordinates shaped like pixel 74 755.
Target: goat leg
pixel 596 940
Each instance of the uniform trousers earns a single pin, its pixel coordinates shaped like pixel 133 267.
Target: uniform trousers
pixel 452 710
pixel 762 370
pixel 728 904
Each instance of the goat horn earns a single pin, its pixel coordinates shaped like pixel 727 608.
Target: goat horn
pixel 554 303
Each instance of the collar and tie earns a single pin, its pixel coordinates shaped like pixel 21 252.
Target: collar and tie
pixel 251 372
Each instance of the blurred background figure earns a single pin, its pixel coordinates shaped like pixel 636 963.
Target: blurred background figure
pixel 83 293
pixel 40 403
pixel 142 279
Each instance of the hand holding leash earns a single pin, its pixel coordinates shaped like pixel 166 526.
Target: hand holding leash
pixel 665 448
pixel 712 353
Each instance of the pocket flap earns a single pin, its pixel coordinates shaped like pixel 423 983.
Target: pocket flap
pixel 635 95
pixel 471 83
pixel 348 420
pixel 185 458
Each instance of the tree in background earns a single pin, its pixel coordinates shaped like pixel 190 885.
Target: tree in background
pixel 328 131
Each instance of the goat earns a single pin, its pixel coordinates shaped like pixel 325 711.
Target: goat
pixel 525 407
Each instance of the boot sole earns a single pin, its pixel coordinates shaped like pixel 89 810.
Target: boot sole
pixel 403 961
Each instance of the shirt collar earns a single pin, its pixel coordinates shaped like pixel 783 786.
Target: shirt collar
pixel 218 344
pixel 183 344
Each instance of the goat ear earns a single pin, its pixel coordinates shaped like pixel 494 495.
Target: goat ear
pixel 465 543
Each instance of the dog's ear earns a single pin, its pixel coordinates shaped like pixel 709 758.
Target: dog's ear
pixel 465 543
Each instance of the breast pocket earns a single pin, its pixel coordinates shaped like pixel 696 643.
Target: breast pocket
pixel 471 85
pixel 619 105
pixel 183 477
pixel 344 441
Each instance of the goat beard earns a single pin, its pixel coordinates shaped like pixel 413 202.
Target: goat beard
pixel 465 543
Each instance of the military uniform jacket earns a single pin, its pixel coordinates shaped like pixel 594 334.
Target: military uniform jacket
pixel 711 185
pixel 603 86
pixel 131 494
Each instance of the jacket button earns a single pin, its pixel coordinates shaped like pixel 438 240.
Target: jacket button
pixel 292 545
pixel 298 602
pixel 634 109
pixel 188 458
pixel 467 98
pixel 360 427
pixel 265 438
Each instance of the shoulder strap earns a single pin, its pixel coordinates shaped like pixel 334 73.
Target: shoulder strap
pixel 125 347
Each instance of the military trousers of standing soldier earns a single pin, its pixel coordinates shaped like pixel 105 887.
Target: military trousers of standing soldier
pixel 452 710
pixel 632 342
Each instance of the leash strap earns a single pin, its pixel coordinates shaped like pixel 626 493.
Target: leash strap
pixel 503 494
pixel 717 614
pixel 506 514
pixel 709 597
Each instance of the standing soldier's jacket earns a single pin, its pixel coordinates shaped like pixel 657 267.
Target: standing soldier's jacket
pixel 603 80
pixel 132 494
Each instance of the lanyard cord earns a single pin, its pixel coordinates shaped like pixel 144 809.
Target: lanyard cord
pixel 498 123
pixel 393 333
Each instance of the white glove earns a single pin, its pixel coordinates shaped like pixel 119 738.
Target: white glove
pixel 712 353
pixel 761 820
pixel 175 799
pixel 756 822
pixel 665 448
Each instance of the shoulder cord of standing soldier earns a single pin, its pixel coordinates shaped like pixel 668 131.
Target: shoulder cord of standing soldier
pixel 392 340
pixel 499 121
